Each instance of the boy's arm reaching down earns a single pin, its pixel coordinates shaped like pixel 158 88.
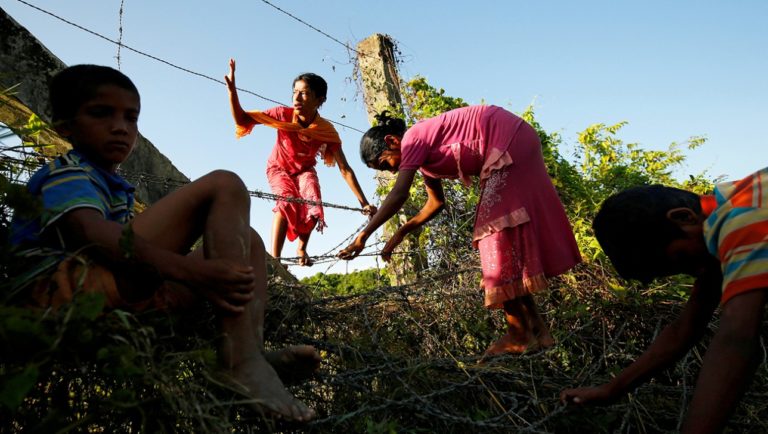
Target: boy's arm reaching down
pixel 729 363
pixel 671 344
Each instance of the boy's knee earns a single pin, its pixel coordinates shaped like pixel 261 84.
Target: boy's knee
pixel 225 180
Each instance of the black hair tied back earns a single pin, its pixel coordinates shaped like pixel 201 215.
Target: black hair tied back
pixel 390 124
pixel 372 144
pixel 382 118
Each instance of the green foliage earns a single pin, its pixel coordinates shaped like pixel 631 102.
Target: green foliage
pixel 423 101
pixel 608 165
pixel 357 282
pixel 15 168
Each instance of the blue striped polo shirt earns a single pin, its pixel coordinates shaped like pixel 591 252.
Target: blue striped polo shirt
pixel 67 183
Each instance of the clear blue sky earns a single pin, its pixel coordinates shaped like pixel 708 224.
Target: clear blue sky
pixel 671 69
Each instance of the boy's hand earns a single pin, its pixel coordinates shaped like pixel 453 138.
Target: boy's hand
pixel 598 395
pixel 227 285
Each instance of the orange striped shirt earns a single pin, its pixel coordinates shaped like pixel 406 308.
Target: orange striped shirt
pixel 736 232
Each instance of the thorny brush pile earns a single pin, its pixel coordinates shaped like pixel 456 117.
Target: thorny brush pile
pixel 397 359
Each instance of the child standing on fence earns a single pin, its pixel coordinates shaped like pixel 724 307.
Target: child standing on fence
pixel 302 135
pixel 722 241
pixel 87 238
pixel 521 229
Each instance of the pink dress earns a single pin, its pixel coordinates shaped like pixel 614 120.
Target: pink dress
pixel 291 173
pixel 521 229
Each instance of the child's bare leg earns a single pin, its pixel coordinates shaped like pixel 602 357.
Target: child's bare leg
pixel 518 336
pixel 296 362
pixel 243 346
pixel 536 322
pixel 218 207
pixel 279 229
pixel 301 252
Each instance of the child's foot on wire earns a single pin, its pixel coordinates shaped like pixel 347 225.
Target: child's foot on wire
pixel 294 363
pixel 256 379
pixel 304 259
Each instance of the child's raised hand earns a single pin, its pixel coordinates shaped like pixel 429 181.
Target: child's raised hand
pixel 230 79
pixel 598 395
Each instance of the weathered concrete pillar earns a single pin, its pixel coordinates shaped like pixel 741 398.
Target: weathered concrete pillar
pixel 378 73
pixel 381 91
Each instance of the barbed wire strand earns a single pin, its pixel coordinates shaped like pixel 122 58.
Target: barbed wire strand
pixel 168 63
pixel 167 181
pixel 147 178
pixel 120 32
pixel 345 45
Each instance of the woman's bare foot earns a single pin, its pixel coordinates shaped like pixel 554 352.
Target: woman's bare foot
pixel 509 344
pixel 256 379
pixel 294 363
pixel 304 259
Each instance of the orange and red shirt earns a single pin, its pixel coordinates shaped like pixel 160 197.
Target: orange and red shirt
pixel 736 232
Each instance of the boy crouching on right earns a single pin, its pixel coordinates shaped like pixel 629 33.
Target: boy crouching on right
pixel 721 240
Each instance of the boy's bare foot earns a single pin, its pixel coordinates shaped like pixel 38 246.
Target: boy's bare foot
pixel 256 379
pixel 294 363
pixel 304 259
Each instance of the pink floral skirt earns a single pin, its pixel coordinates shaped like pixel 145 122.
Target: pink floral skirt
pixel 301 217
pixel 521 229
pixel 511 265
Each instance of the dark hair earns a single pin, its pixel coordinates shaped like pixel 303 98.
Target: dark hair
pixel 316 83
pixel 633 229
pixel 372 143
pixel 71 87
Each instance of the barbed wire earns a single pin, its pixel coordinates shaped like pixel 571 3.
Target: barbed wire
pixel 120 32
pixel 343 44
pixel 428 383
pixel 36 160
pixel 424 404
pixel 375 384
pixel 168 63
pixel 139 177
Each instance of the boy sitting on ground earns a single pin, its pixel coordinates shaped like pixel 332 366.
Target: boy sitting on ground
pixel 144 261
pixel 721 240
